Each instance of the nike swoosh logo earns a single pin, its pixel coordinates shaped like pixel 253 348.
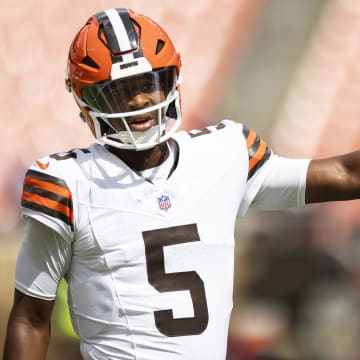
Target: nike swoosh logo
pixel 42 165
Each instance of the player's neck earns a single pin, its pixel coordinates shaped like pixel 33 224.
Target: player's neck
pixel 144 159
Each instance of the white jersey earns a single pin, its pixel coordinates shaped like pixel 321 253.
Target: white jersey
pixel 150 271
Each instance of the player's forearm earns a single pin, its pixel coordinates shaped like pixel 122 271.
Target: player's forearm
pixel 351 162
pixel 25 341
pixel 334 179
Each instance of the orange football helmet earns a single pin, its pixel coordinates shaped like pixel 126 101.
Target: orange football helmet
pixel 115 55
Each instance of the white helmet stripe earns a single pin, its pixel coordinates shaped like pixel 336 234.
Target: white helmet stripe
pixel 120 33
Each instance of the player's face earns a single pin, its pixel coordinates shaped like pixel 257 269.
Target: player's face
pixel 137 95
pixel 128 95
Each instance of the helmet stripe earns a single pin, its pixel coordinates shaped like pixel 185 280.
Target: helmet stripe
pixel 120 33
pixel 123 39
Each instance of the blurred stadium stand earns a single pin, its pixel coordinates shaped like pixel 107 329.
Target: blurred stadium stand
pixel 287 68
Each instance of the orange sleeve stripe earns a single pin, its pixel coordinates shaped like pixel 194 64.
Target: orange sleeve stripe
pixel 250 139
pixel 59 190
pixel 51 204
pixel 258 156
pixel 258 151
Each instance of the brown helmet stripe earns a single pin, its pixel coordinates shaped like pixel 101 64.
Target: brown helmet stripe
pixel 119 32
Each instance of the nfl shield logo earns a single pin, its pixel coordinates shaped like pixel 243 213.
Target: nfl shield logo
pixel 164 202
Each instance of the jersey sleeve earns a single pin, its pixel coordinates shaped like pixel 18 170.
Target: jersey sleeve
pixel 43 259
pixel 47 197
pixel 273 182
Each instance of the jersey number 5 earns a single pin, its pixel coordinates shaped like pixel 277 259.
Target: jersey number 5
pixel 155 240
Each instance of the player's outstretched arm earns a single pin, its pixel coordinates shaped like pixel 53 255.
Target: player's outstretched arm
pixel 28 331
pixel 333 179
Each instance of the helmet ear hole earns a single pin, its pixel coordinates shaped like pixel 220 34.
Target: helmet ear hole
pixel 82 117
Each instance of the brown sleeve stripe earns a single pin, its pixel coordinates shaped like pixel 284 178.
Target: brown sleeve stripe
pixel 44 185
pixel 258 150
pixel 48 194
pixel 51 207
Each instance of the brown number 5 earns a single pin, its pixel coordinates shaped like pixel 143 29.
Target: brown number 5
pixel 154 241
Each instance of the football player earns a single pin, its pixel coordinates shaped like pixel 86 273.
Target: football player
pixel 141 223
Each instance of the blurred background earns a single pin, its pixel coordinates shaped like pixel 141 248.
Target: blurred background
pixel 288 69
